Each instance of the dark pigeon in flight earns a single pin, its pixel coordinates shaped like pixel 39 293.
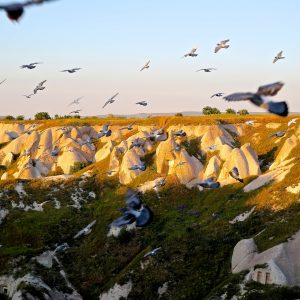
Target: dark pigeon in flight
pixel 234 173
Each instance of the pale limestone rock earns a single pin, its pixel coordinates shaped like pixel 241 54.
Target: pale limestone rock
pixel 273 125
pixel 117 291
pixel 104 152
pixel 252 159
pixel 294 189
pixel 213 167
pixel 68 158
pixel 224 151
pixel 130 159
pixel 8 159
pixel 4 176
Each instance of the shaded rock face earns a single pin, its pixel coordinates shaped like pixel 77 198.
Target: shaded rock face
pixel 281 264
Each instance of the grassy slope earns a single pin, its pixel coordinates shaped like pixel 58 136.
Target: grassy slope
pixel 196 249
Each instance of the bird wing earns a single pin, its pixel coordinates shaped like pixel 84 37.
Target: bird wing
pixel 239 97
pixel 280 54
pixel 114 96
pixel 270 89
pixel 225 41
pixel 147 63
pixel 275 59
pixel 107 102
pixel 217 48
pixel 193 50
pixel 41 83
pixel 105 127
pixel 2 81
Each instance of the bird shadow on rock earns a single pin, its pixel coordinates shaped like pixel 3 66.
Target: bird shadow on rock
pixel 267 158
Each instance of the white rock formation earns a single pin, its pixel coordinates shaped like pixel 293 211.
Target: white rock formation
pixel 117 291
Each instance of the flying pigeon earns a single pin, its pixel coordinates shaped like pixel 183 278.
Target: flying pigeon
pixel 160 183
pixel 192 53
pixel 141 167
pixel 158 135
pixel 210 183
pixel 181 163
pixel 234 173
pixel 30 66
pixel 278 133
pixel 55 152
pixel 39 87
pixel 28 96
pixel 110 172
pixel 212 147
pixel 110 100
pixel 3 81
pixel 142 103
pixel 104 132
pixel 278 57
pixel 293 121
pixel 152 252
pixel 137 143
pixel 85 231
pixel 15 10
pixel 76 101
pixel 77 111
pixel 222 44
pixel 206 70
pixel 61 248
pixel 217 95
pixel 129 127
pixel 260 98
pixel 180 133
pixel 134 212
pixel 250 122
pixel 146 66
pixel 71 71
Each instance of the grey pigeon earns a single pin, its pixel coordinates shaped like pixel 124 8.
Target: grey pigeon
pixel 28 96
pixel 110 172
pixel 192 53
pixel 105 131
pixel 234 173
pixel 110 100
pixel 180 133
pixel 85 231
pixel 278 57
pixel 77 111
pixel 142 103
pixel 260 98
pixel 152 252
pixel 14 11
pixel 210 183
pixel 181 163
pixel 146 66
pixel 76 101
pixel 39 87
pixel 129 127
pixel 206 70
pixel 3 81
pixel 222 45
pixel 217 95
pixel 278 133
pixel 71 71
pixel 141 167
pixel 30 66
pixel 137 143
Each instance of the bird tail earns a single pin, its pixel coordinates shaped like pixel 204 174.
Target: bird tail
pixel 278 108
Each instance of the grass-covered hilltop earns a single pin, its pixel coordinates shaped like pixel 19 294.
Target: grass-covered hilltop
pixel 240 240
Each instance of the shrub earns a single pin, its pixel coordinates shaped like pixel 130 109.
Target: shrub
pixel 243 112
pixel 42 116
pixel 9 118
pixel 230 111
pixel 20 117
pixel 178 115
pixel 207 110
pixel 79 165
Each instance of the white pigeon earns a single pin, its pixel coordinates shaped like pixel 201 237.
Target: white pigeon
pixel 222 45
pixel 293 121
pixel 278 57
pixel 85 231
pixel 250 122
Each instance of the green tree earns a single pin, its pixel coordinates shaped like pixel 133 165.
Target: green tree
pixel 243 112
pixel 230 111
pixel 178 115
pixel 20 117
pixel 208 110
pixel 9 117
pixel 42 116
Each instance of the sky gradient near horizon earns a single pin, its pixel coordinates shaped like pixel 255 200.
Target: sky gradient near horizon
pixel 111 40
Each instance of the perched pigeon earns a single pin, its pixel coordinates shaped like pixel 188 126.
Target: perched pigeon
pixel 134 212
pixel 152 252
pixel 110 100
pixel 192 53
pixel 77 111
pixel 129 127
pixel 160 183
pixel 180 133
pixel 137 143
pixel 260 98
pixel 250 122
pixel 217 95
pixel 85 231
pixel 3 81
pixel 234 173
pixel 14 11
pixel 28 96
pixel 212 147
pixel 39 87
pixel 210 183
pixel 61 248
pixel 206 70
pixel 141 167
pixel 142 103
pixel 278 57
pixel 222 45
pixel 71 71
pixel 109 172
pixel 55 151
pixel 293 121
pixel 30 66
pixel 176 148
pixel 76 101
pixel 158 135
pixel 278 133
pixel 104 132
pixel 146 66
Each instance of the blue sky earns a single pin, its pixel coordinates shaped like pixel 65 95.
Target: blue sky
pixel 111 40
